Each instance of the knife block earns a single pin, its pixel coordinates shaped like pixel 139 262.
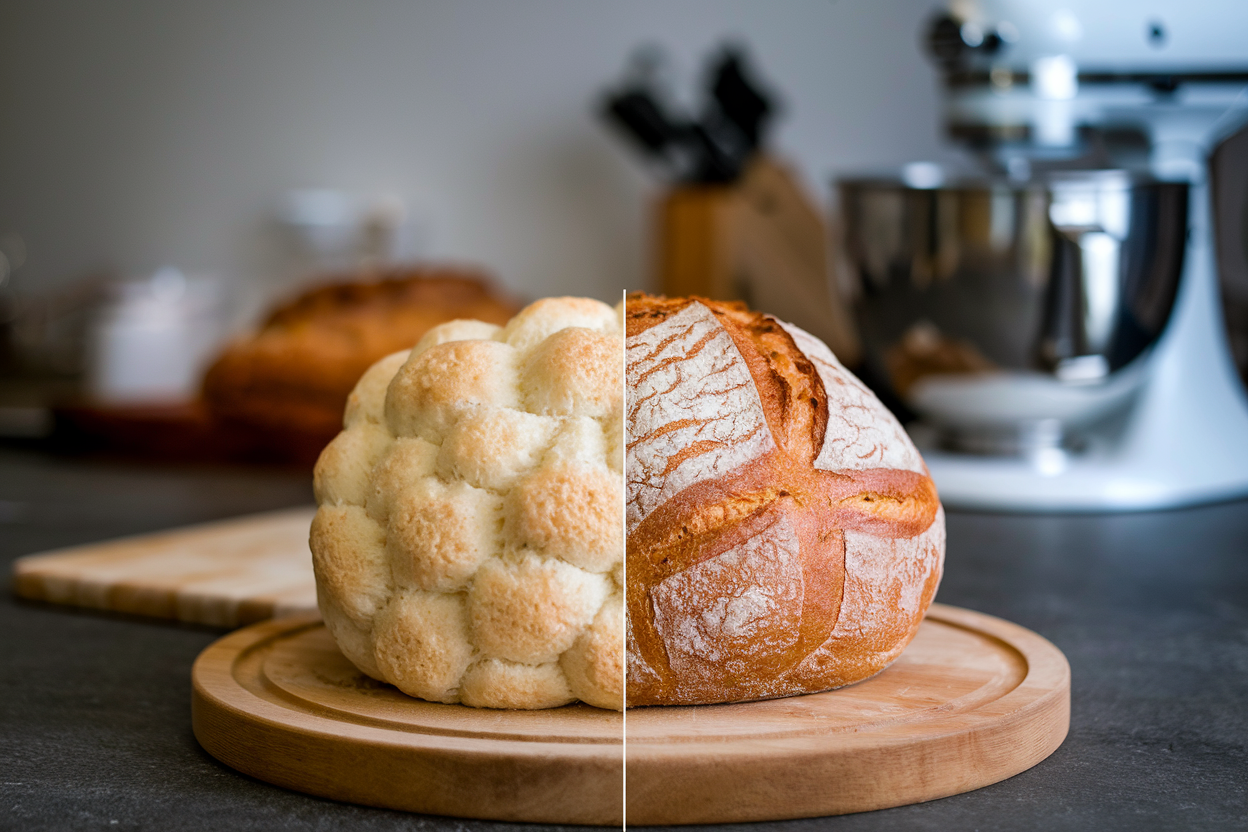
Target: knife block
pixel 760 240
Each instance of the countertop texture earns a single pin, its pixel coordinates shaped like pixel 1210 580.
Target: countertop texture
pixel 1151 610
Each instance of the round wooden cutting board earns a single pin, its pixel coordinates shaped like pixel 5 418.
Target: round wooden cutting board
pixel 972 701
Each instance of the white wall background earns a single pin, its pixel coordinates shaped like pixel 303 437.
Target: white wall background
pixel 136 133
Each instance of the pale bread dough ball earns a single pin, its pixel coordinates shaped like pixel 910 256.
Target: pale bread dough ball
pixel 354 641
pixel 406 462
pixel 434 388
pixel 421 644
pixel 498 683
pixel 494 447
pixel 439 533
pixel 367 401
pixel 469 544
pixel 571 513
pixel 615 447
pixel 343 471
pixel 532 611
pixel 349 561
pixel 594 666
pixel 564 375
pixel 580 442
pixel 459 330
pixel 542 319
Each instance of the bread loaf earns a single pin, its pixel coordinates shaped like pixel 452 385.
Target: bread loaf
pixel 783 534
pixel 469 545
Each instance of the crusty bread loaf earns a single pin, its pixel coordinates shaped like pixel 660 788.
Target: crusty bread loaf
pixel 294 374
pixel 468 545
pixel 784 536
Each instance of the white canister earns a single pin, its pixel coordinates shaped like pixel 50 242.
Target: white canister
pixel 150 342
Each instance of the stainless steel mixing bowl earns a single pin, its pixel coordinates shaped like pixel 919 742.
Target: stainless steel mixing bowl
pixel 1006 313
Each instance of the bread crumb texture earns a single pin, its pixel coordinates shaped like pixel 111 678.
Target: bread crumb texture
pixel 784 536
pixel 468 545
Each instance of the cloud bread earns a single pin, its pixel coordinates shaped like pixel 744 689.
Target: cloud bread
pixel 468 545
pixel 783 534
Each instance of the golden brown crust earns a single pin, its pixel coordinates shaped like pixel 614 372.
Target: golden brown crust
pixel 295 373
pixel 736 579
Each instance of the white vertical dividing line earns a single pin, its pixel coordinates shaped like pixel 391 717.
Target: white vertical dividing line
pixel 623 505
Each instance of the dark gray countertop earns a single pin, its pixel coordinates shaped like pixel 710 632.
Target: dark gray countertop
pixel 1151 609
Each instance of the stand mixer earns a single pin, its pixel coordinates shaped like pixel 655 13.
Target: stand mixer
pixel 1053 319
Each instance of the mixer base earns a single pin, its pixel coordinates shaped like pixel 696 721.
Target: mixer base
pixel 1074 483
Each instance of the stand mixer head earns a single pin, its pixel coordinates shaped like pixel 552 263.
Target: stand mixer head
pixel 1053 319
pixel 1097 84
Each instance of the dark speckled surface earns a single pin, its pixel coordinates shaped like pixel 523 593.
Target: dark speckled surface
pixel 1151 610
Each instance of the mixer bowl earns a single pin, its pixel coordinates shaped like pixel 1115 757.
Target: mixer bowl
pixel 1006 314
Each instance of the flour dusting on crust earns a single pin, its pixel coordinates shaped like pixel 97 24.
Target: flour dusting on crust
pixel 862 433
pixel 693 413
pixel 784 535
pixel 734 610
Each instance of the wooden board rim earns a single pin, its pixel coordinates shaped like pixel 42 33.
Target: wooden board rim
pixel 574 782
pixel 223 573
pixel 562 781
pixel 1048 671
pixel 721 784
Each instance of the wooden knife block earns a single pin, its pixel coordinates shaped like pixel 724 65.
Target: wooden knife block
pixel 760 240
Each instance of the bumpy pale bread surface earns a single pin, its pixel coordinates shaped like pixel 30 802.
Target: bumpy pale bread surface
pixel 468 545
pixel 783 534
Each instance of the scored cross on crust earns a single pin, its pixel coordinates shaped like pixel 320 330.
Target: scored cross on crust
pixel 770 498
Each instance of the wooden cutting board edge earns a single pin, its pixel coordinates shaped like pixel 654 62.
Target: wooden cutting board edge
pixel 305 747
pixel 879 769
pixel 733 780
pixel 117 575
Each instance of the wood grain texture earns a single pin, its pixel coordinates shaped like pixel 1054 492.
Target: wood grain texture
pixel 224 574
pixel 973 700
pixel 279 702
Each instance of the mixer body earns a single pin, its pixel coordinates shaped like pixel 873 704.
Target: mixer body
pixel 1058 325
